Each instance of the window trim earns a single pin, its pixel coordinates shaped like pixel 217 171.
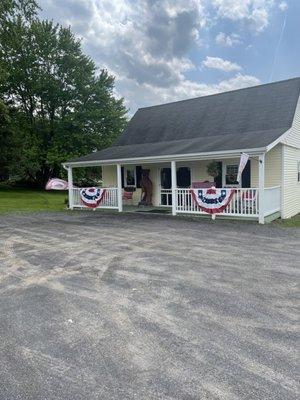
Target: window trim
pixel 125 177
pixel 224 173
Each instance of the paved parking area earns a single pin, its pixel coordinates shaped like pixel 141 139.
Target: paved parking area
pixel 106 306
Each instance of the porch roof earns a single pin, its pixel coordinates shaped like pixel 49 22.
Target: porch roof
pixel 248 118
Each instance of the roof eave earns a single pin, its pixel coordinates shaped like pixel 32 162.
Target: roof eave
pixel 168 158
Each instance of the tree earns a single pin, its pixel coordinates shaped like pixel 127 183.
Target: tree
pixel 6 140
pixel 64 107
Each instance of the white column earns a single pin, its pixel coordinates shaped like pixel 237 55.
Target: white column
pixel 70 187
pixel 119 185
pixel 261 185
pixel 174 186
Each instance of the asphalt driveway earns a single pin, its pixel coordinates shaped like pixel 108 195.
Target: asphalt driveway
pixel 106 306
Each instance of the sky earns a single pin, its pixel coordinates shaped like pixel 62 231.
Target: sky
pixel 167 50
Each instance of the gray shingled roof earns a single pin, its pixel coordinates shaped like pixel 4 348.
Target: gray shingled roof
pixel 241 119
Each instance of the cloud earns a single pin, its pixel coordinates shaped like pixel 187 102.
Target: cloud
pixel 220 64
pixel 146 95
pixel 144 40
pixel 189 89
pixel 149 45
pixel 283 6
pixel 227 40
pixel 255 13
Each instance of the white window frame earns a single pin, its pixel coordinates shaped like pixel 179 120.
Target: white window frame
pixel 125 176
pixel 224 172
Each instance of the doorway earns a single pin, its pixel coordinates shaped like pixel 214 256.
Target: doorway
pixel 165 183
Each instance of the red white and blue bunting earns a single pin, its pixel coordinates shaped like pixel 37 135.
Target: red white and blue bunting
pixel 92 197
pixel 212 200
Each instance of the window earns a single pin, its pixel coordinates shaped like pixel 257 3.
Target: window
pixel 130 176
pixel 298 171
pixel 165 178
pixel 183 177
pixel 231 171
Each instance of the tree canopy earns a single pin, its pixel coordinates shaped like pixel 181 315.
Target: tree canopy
pixel 55 104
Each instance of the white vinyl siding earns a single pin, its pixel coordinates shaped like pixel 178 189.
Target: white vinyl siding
pixel 293 137
pixel 200 173
pixel 109 176
pixel 272 168
pixel 291 187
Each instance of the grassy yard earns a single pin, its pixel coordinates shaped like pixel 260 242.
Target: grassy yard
pixel 22 200
pixel 289 223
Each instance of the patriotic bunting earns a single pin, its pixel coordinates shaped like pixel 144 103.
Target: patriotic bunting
pixel 92 197
pixel 212 200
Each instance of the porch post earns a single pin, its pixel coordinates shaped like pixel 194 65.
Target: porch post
pixel 70 187
pixel 174 187
pixel 261 181
pixel 119 185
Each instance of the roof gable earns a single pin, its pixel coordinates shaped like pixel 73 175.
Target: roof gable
pixel 248 118
pixel 265 107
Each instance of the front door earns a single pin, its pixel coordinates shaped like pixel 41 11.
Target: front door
pixel 183 181
pixel 165 187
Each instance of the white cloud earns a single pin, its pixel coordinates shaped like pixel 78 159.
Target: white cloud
pixel 147 45
pixel 220 64
pixel 143 40
pixel 147 95
pixel 227 40
pixel 283 6
pixel 254 12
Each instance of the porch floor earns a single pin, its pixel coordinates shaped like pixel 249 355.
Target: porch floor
pixel 147 209
pixel 168 211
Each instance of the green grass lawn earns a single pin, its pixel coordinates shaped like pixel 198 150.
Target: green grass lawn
pixel 24 200
pixel 289 223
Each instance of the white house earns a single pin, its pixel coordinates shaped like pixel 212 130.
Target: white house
pixel 176 142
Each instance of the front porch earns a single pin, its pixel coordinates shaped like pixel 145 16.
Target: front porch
pixel 172 183
pixel 245 203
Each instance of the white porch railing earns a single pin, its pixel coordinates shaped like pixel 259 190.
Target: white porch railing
pixel 243 204
pixel 110 199
pixel 272 200
pixel 166 197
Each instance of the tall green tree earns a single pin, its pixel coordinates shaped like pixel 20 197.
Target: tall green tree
pixel 6 140
pixel 63 106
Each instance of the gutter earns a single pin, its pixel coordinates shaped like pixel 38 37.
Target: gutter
pixel 168 158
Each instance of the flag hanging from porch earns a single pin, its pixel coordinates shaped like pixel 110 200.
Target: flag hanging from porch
pixel 243 161
pixel 92 197
pixel 212 200
pixel 57 184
